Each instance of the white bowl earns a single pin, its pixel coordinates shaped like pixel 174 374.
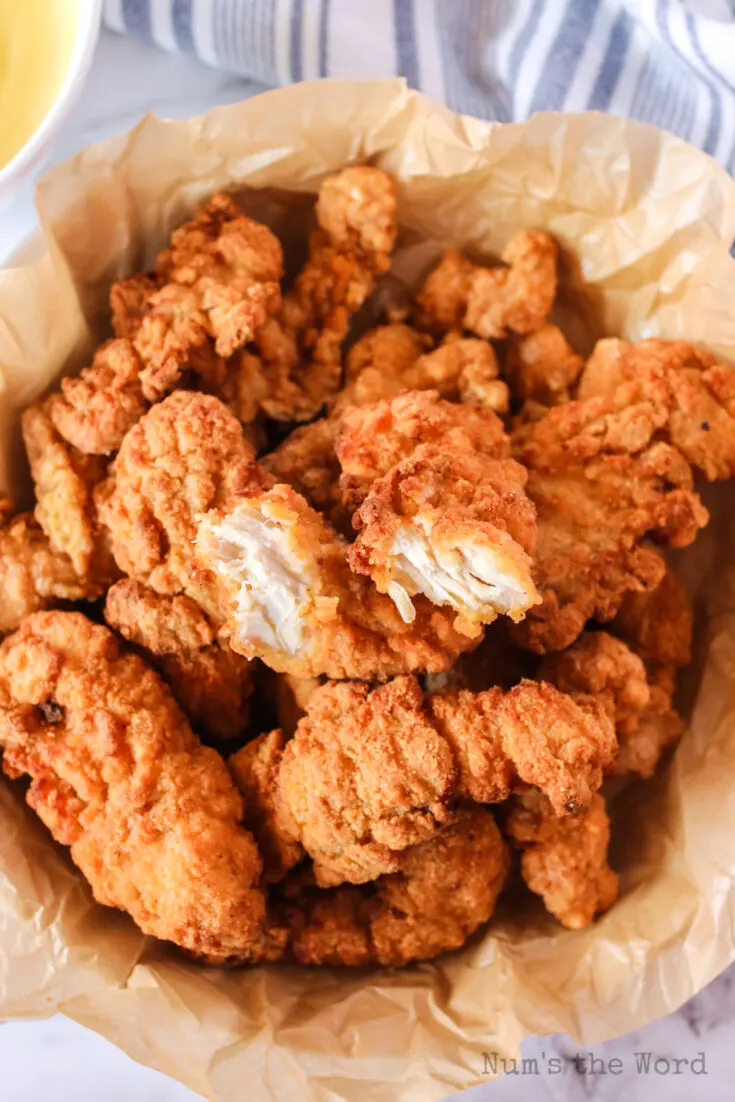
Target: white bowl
pixel 85 40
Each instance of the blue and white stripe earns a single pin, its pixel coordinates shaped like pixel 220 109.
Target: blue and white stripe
pixel 669 62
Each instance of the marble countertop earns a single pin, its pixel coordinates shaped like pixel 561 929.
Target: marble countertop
pixel 59 1060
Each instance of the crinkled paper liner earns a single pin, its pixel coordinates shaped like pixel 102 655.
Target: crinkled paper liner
pixel 646 223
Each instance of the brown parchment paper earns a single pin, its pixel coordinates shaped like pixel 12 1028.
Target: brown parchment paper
pixel 646 223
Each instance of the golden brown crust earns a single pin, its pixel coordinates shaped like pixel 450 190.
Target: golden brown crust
pixel 658 623
pixel 211 683
pixel 517 298
pixel 186 455
pixel 541 367
pixel 446 889
pixel 94 410
pixel 151 816
pixel 65 481
pixel 565 860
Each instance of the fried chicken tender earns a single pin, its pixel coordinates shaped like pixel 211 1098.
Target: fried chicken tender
pixel 152 817
pixel 658 623
pixel 307 461
pixel 255 770
pixel 32 575
pixel 565 860
pixel 450 519
pixel 213 288
pixel 301 348
pixel 492 302
pixel 287 596
pixel 211 683
pixel 95 410
pixel 446 889
pixel 186 455
pixel 373 439
pixel 65 481
pixel 396 357
pixel 646 723
pixel 370 773
pixel 601 484
pixel 541 368
pixel 614 361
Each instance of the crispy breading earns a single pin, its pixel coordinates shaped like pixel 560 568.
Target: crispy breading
pixel 665 391
pixel 186 455
pixel 215 286
pixel 601 484
pixel 442 301
pixel 396 357
pixel 516 298
pixel 211 683
pixel 565 860
pixel 307 461
pixel 287 596
pixel 365 776
pixel 446 889
pixel 153 818
pixel 645 721
pixel 614 361
pixel 255 769
pixel 374 438
pixel 95 410
pixel 369 773
pixel 456 527
pixel 65 481
pixel 32 575
pixel 541 367
pixel 301 348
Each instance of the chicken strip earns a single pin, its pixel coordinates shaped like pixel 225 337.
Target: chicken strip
pixel 255 770
pixel 211 683
pixel 646 723
pixel 446 889
pixel 541 370
pixel 214 286
pixel 65 481
pixel 32 575
pixel 368 774
pixel 287 596
pixel 601 485
pixel 614 361
pixel 450 520
pixel 186 455
pixel 492 302
pixel 152 817
pixel 393 358
pixel 95 410
pixel 658 624
pixel 565 860
pixel 307 461
pixel 301 348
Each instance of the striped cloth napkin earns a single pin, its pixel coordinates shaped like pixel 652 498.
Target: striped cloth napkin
pixel 669 62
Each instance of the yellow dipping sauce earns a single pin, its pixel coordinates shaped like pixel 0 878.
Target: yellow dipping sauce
pixel 36 45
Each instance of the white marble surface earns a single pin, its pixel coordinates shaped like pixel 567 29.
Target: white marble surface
pixel 60 1060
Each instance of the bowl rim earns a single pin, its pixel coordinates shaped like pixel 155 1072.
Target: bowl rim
pixel 89 17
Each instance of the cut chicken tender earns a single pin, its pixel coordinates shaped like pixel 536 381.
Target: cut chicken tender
pixel 446 889
pixel 395 357
pixel 211 683
pixel 153 819
pixel 255 769
pixel 368 774
pixel 287 596
pixel 374 438
pixel 65 481
pixel 301 348
pixel 32 575
pixel 646 723
pixel 492 302
pixel 186 455
pixel 601 484
pixel 565 860
pixel 455 527
pixel 213 288
pixel 94 411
